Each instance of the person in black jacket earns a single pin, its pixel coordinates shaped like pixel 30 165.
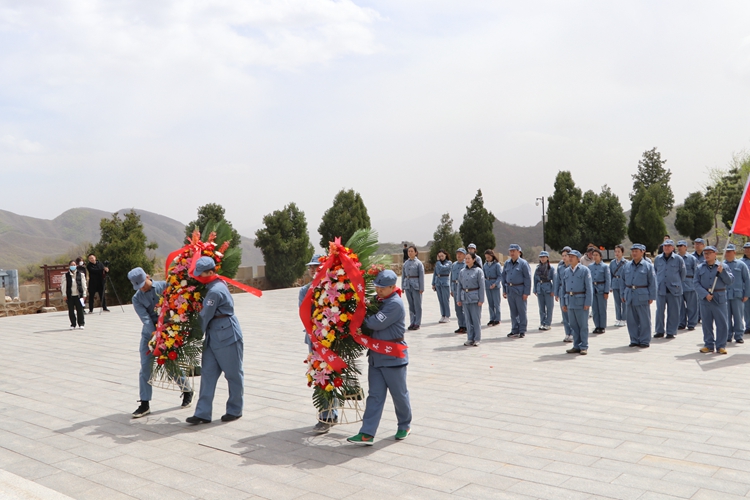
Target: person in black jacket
pixel 73 288
pixel 97 275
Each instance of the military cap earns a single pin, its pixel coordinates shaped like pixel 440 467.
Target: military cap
pixel 710 248
pixel 514 246
pixel 638 246
pixel 731 247
pixel 699 240
pixel 543 254
pixel 575 253
pixel 668 242
pixel 204 264
pixel 682 243
pixel 462 250
pixel 472 245
pixel 137 278
pixel 566 249
pixel 315 261
pixel 385 278
pixel 746 245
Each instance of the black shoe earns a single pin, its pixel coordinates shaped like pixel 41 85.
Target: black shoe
pixel 105 310
pixel 142 410
pixel 729 341
pixel 197 420
pixel 633 345
pixel 521 335
pixel 322 427
pixel 416 327
pixel 691 328
pixel 602 330
pixel 491 323
pixel 670 336
pixel 187 398
pixel 681 327
pixel 644 346
pixel 464 330
pixel 230 418
pixel 514 335
pixel 658 335
pixel 740 341
pixel 411 327
pixel 573 350
pixel 91 311
pixel 497 323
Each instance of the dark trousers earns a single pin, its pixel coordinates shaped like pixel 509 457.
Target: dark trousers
pixel 95 288
pixel 75 308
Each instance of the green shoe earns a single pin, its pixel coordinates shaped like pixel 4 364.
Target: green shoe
pixel 402 434
pixel 360 438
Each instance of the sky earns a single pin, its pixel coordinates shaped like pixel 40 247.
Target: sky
pixel 166 106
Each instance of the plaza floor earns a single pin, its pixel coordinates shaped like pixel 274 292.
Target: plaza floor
pixel 516 419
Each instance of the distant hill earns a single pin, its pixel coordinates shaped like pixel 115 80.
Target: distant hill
pixel 28 240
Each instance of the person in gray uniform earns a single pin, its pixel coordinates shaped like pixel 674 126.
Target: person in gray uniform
pixel 223 348
pixel 711 282
pixel 455 271
pixel 386 373
pixel 746 259
pixel 412 283
pixel 579 294
pixel 602 282
pixel 638 290
pixel 670 273
pixel 737 295
pixel 616 267
pixel 699 244
pixel 689 302
pixel 493 282
pixel 145 300
pixel 544 284
pixel 471 293
pixel 441 283
pixel 562 267
pixel 516 289
pixel 473 251
pixel 326 419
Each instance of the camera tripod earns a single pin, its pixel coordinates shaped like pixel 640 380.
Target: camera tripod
pixel 107 278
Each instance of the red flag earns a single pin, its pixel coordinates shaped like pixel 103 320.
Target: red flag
pixel 741 223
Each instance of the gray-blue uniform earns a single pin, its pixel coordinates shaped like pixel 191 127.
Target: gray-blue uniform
pixel 493 275
pixel 455 271
pixel 223 347
pixel 476 256
pixel 670 273
pixel 689 302
pixel 579 293
pixel 471 291
pixel 516 283
pixel 715 310
pixel 334 414
pixel 616 268
pixel 602 282
pixel 386 373
pixel 412 282
pixel 442 283
pixel 747 304
pixel 144 304
pixel 739 289
pixel 638 287
pixel 560 292
pixel 544 288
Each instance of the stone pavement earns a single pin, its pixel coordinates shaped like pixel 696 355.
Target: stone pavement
pixel 513 419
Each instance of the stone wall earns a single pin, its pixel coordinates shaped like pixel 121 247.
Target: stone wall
pixel 19 308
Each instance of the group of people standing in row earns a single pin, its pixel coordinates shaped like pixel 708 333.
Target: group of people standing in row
pixel 688 288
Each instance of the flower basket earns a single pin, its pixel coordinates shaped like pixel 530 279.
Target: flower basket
pixel 163 380
pixel 351 408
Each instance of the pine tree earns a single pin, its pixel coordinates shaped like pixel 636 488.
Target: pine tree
pixel 285 245
pixel 347 214
pixel 650 220
pixel 477 225
pixel 651 172
pixel 564 213
pixel 445 237
pixel 123 244
pixel 212 212
pixel 604 221
pixel 694 219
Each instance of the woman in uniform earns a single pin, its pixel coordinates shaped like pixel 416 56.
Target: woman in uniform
pixel 471 293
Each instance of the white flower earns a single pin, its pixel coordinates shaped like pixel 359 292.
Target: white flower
pixel 325 322
pixel 334 309
pixel 321 301
pixel 183 283
pixel 340 286
pixel 340 272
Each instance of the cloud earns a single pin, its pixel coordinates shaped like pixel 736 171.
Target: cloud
pixel 14 144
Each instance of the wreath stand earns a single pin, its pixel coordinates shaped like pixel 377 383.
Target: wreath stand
pixel 350 410
pixel 162 380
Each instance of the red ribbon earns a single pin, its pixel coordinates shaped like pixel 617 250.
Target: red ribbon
pixel 356 278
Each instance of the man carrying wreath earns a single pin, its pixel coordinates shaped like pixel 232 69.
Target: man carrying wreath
pixel 386 373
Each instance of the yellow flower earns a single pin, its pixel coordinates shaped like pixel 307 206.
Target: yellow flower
pixel 197 296
pixel 169 343
pixel 325 343
pixel 331 336
pixel 309 377
pixel 329 388
pixel 341 297
pixel 343 317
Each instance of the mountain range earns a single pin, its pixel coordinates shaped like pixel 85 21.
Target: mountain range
pixel 27 240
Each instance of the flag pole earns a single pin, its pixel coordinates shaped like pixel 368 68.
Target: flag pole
pixel 726 245
pixel 732 231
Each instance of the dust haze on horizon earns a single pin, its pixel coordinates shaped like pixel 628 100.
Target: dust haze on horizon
pixel 167 106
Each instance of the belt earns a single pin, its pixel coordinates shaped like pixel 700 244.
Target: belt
pixel 599 282
pixel 455 281
pixel 634 287
pixel 576 293
pixel 545 281
pixel 410 277
pixel 470 289
pixel 221 316
pixel 719 290
pixel 442 275
pixel 397 340
pixel 689 276
pixel 515 284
